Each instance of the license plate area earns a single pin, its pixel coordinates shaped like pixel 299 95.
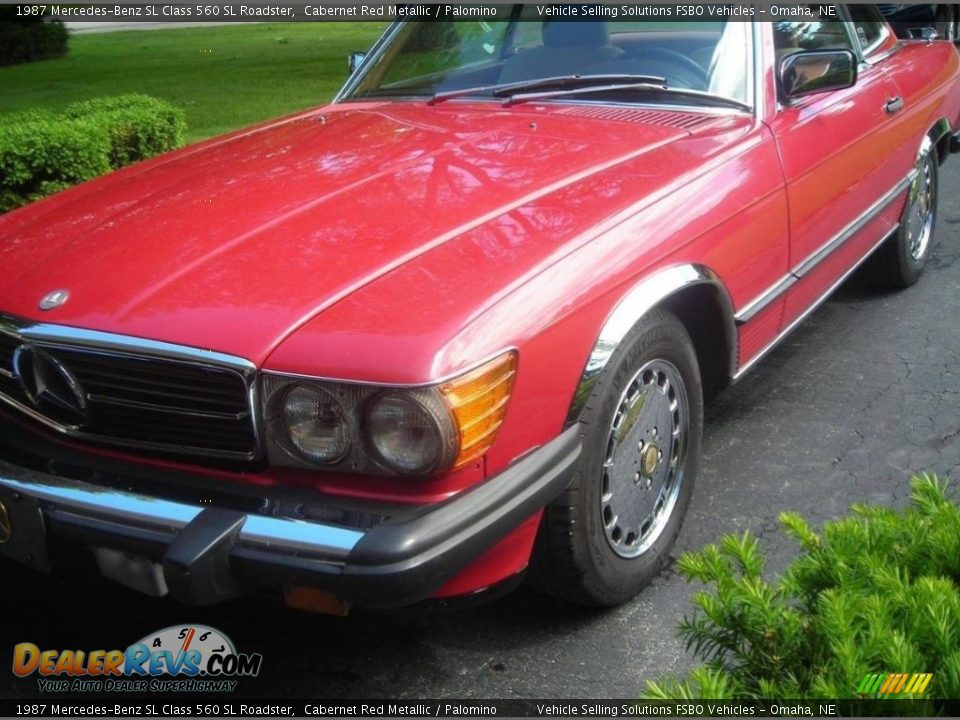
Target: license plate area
pixel 23 535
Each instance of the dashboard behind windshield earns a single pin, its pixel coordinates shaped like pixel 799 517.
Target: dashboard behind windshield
pixel 430 57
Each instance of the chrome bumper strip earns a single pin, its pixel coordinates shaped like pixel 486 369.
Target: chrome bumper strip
pixel 283 536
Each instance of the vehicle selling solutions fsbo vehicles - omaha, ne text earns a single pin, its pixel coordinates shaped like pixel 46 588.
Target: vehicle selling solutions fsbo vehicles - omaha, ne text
pixel 457 327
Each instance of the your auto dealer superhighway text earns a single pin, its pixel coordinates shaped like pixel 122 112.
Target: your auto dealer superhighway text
pixel 151 710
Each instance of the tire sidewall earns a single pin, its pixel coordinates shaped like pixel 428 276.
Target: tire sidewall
pixel 615 578
pixel 912 269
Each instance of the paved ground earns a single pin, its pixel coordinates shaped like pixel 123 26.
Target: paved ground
pixel 865 393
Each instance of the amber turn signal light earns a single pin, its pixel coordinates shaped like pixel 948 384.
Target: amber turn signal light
pixel 314 600
pixel 479 400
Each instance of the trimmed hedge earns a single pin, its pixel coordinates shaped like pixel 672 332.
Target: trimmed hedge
pixel 43 152
pixel 27 39
pixel 137 126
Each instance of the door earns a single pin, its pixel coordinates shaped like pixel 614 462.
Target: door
pixel 837 149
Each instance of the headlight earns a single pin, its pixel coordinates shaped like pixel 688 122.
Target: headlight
pixel 360 428
pixel 315 424
pixel 411 433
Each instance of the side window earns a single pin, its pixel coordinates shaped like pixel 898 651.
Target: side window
pixel 869 25
pixel 815 32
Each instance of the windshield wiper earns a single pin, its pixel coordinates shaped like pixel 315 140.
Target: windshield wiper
pixel 642 86
pixel 559 81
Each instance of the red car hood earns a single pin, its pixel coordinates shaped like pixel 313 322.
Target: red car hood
pixel 233 244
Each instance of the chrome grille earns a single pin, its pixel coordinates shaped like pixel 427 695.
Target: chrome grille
pixel 138 396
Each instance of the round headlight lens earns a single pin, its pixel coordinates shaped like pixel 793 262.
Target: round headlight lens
pixel 315 424
pixel 411 433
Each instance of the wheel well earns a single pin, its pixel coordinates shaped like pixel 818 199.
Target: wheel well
pixel 700 310
pixel 943 149
pixel 940 134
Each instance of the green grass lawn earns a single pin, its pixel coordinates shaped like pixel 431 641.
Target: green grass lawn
pixel 224 77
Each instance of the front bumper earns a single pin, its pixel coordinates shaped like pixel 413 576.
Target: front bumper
pixel 955 142
pixel 205 554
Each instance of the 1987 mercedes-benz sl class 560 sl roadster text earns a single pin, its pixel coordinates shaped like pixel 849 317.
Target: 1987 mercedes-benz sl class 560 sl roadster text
pixel 458 326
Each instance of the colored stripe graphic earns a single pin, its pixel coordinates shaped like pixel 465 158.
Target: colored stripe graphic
pixel 894 683
pixel 869 682
pixel 888 683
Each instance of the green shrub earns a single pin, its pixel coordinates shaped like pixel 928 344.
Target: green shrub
pixel 878 591
pixel 42 152
pixel 138 126
pixel 27 39
pixel 40 157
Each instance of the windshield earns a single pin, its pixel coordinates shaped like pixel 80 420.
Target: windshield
pixel 426 59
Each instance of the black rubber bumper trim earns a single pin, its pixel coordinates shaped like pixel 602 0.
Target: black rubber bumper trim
pixel 400 563
pixel 955 143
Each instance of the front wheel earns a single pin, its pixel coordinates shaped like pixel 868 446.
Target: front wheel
pixel 900 261
pixel 612 530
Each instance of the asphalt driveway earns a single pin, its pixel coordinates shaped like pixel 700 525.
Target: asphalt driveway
pixel 864 394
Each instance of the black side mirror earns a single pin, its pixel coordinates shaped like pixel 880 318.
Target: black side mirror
pixel 923 33
pixel 815 71
pixel 354 60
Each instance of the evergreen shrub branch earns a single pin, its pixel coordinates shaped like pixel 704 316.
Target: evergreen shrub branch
pixel 877 591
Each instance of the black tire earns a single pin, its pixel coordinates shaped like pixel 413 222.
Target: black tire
pixel 895 265
pixel 573 558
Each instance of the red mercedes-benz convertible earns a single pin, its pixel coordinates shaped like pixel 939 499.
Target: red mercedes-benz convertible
pixel 459 325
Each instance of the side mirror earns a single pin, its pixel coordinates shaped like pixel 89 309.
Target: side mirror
pixel 924 33
pixel 815 71
pixel 354 60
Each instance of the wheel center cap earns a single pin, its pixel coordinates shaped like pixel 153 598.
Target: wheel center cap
pixel 649 459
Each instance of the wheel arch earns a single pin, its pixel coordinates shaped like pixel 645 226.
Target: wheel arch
pixel 697 296
pixel 940 135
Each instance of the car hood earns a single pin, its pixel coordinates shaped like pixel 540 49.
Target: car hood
pixel 234 243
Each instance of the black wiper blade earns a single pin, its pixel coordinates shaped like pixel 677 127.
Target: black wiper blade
pixel 642 86
pixel 559 81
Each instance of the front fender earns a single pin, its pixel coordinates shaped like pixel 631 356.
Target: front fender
pixel 640 299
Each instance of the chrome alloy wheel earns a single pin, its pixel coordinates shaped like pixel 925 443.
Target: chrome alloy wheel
pixel 919 215
pixel 646 450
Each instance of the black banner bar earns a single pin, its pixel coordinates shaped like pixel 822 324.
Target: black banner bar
pixel 348 11
pixel 101 706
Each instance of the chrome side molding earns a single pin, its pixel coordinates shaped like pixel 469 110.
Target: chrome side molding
pixel 806 313
pixel 805 266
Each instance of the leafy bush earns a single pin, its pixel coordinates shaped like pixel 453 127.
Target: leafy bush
pixel 138 126
pixel 43 152
pixel 27 39
pixel 878 591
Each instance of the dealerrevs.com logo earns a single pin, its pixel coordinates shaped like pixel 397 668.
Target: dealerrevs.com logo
pixel 181 658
